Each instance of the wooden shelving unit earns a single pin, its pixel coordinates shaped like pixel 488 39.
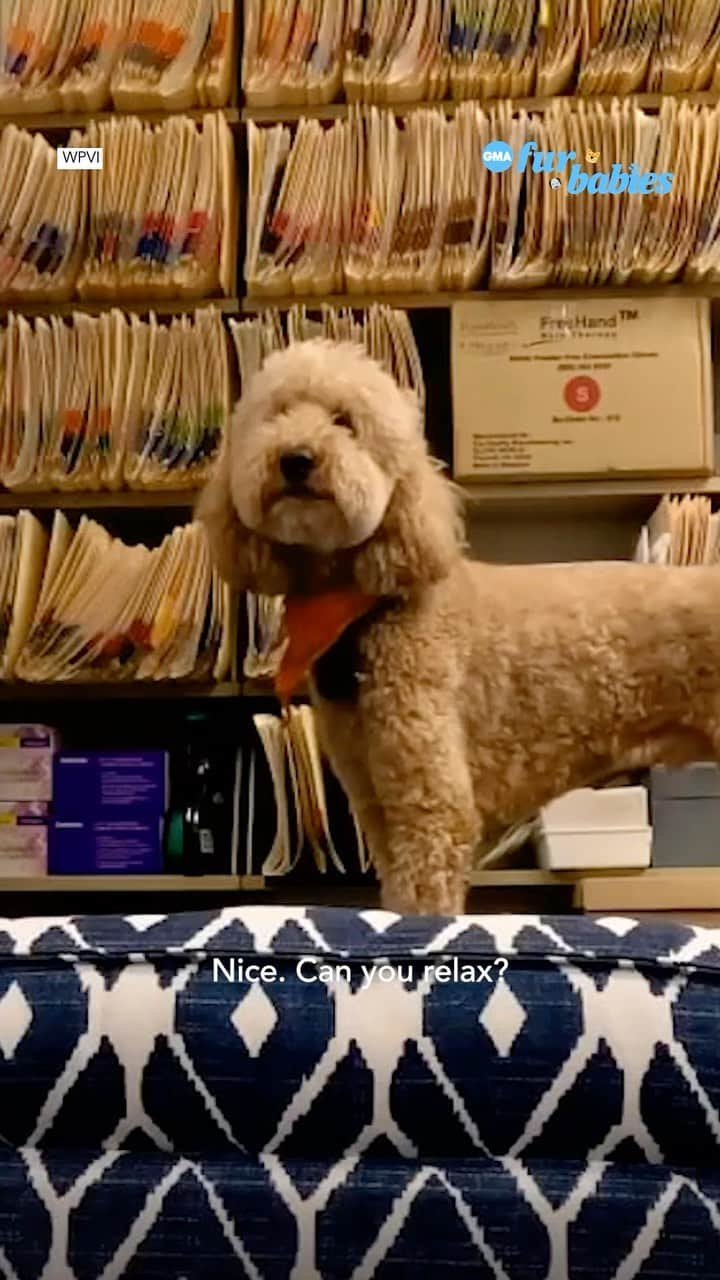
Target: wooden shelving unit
pixel 496 501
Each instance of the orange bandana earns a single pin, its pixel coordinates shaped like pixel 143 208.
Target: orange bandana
pixel 312 625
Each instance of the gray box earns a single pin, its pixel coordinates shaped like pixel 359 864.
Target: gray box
pixel 686 816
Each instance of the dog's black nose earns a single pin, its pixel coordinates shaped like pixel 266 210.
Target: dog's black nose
pixel 296 466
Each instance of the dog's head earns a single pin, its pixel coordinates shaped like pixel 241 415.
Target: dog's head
pixel 325 476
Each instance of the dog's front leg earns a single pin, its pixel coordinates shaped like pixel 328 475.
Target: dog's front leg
pixel 420 777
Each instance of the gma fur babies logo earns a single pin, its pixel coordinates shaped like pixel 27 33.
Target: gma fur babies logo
pixel 498 156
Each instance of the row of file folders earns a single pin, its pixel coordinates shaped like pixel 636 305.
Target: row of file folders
pixel 382 51
pixel 116 401
pixel 81 55
pixel 157 219
pixel 371 203
pixel 387 204
pixel 169 55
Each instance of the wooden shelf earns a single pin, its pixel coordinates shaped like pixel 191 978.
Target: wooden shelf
pixel 131 884
pixel 524 877
pixel 340 110
pixel 59 122
pixel 101 691
pixel 253 303
pixel 148 691
pixel 613 889
pixel 479 495
pixel 492 497
pixel 657 889
pixel 91 500
pixel 137 306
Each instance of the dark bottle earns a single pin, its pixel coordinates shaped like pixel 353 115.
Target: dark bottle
pixel 199 801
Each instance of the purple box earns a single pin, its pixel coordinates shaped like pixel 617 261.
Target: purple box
pixel 110 784
pixel 109 846
pixel 23 838
pixel 26 756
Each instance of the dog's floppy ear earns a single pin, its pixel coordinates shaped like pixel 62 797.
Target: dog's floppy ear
pixel 227 536
pixel 420 537
pixel 246 561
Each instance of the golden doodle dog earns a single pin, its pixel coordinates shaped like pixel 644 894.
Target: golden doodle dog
pixel 460 696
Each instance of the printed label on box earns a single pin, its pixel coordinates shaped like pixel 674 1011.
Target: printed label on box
pixel 119 847
pixel 94 784
pixel 587 387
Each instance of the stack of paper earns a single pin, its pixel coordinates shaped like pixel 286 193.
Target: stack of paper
pixel 399 52
pixel 668 47
pixel 681 531
pixel 23 544
pixel 266 638
pixel 566 229
pixel 73 55
pixel 561 27
pixel 216 68
pixel 385 333
pixel 162 209
pixel 292 753
pixel 59 57
pixel 619 40
pixel 95 608
pixel 493 48
pixel 98 403
pixel 374 202
pixel 381 51
pixel 688 47
pixel 631 240
pixel 293 53
pixel 381 203
pixel 159 219
pixel 43 214
pixel 177 53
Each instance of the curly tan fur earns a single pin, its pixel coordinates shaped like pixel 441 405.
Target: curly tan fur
pixel 484 691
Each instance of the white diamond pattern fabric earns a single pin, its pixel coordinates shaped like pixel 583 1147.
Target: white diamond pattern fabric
pixel 314 1094
pixel 16 1017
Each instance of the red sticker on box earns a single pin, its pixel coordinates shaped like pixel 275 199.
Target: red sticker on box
pixel 581 394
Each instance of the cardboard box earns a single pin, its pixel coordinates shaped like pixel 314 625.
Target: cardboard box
pixel 23 838
pixel 686 816
pixel 596 829
pixel 110 784
pixel 114 846
pixel 26 756
pixel 589 387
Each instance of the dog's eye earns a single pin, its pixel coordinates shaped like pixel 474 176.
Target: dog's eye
pixel 344 420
